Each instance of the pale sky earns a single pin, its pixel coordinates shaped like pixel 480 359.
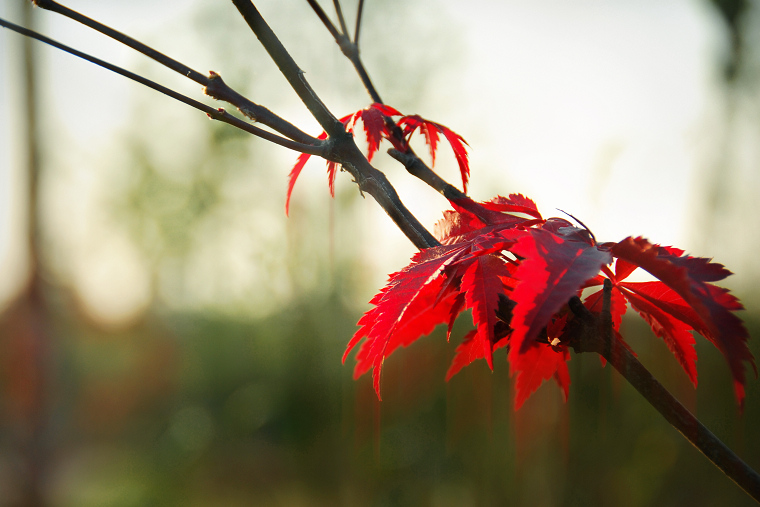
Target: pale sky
pixel 601 109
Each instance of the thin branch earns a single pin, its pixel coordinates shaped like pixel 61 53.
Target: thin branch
pixel 341 147
pixel 317 148
pixel 358 22
pixel 218 89
pixel 342 21
pixel 213 87
pixel 349 48
pixel 416 167
pixel 148 51
pixel 322 15
pixel 289 68
pixel 409 159
pixel 595 335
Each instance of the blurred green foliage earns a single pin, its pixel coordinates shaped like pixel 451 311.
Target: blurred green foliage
pixel 196 410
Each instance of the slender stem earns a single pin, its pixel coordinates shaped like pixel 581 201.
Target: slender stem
pixel 374 182
pixel 341 20
pixel 213 87
pixel 598 338
pixel 358 22
pixel 322 15
pixel 416 167
pixel 685 422
pixel 218 89
pixel 341 147
pixel 408 158
pixel 216 114
pixel 289 68
pixel 364 76
pixel 350 49
pixel 148 51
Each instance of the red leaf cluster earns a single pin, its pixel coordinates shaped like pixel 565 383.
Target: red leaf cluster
pixel 377 120
pixel 517 271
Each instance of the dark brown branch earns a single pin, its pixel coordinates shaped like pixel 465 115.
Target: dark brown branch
pixel 148 51
pixel 335 149
pixel 289 68
pixel 218 89
pixel 408 158
pixel 349 48
pixel 341 20
pixel 416 167
pixel 595 334
pixel 215 88
pixel 374 182
pixel 322 15
pixel 317 148
pixel 341 145
pixel 358 22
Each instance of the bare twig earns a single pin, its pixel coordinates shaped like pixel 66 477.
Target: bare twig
pixel 322 15
pixel 341 145
pixel 596 335
pixel 416 167
pixel 148 51
pixel 358 22
pixel 213 84
pixel 348 47
pixel 289 69
pixel 317 148
pixel 408 158
pixel 342 21
pixel 338 148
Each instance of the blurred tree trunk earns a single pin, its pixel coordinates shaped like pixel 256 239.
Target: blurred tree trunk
pixel 26 346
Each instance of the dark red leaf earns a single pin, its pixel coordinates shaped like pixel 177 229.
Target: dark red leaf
pixel 553 270
pixel 517 275
pixel 482 285
pixel 537 363
pixel 675 333
pixel 296 171
pixel 468 351
pixel 515 203
pixel 688 277
pixel 404 310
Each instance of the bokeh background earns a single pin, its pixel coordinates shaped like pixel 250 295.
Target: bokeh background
pixel 169 337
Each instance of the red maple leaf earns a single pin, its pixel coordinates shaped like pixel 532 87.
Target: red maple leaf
pixel 431 130
pixel 378 125
pixel 555 266
pixel 517 274
pixel 685 300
